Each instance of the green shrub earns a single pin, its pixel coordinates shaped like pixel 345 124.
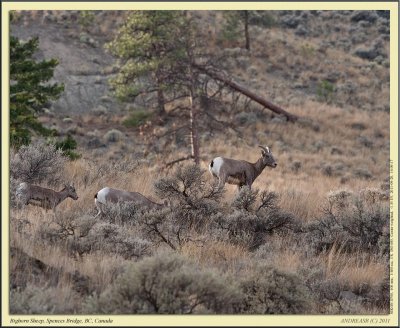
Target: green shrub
pixel 263 18
pixel 169 284
pixel 325 91
pixel 68 145
pixel 136 118
pixel 86 19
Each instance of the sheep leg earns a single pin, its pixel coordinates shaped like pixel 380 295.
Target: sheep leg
pixel 249 183
pixel 98 213
pixel 222 181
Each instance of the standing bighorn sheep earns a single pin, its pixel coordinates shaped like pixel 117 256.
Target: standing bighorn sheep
pixel 239 172
pixel 43 197
pixel 110 195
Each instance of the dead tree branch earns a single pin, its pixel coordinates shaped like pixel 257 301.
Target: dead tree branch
pixel 179 160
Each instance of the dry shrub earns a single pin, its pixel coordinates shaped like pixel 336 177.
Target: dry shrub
pixel 189 190
pixel 192 202
pixel 95 172
pixel 82 234
pixel 166 283
pixel 122 213
pixel 38 163
pixel 112 239
pixel 269 291
pixel 249 221
pixel 352 220
pixel 42 300
pixel 35 163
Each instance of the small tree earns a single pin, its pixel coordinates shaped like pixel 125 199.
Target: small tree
pixel 238 22
pixel 30 90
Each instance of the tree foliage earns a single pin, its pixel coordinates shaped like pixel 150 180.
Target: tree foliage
pixel 151 46
pixel 30 90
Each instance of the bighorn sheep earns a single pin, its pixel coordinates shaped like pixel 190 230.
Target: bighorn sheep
pixel 110 195
pixel 240 173
pixel 46 198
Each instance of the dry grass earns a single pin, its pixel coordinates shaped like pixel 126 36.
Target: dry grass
pixel 225 256
pixel 354 270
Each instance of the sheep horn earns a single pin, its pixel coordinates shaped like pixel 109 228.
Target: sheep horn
pixel 265 148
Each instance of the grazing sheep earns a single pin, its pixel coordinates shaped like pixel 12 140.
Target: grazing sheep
pixel 43 197
pixel 239 172
pixel 110 195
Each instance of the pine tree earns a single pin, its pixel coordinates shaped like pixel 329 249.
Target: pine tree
pixel 30 90
pixel 151 48
pixel 156 51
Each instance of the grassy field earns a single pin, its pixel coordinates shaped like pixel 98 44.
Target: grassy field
pixel 303 190
pixel 312 237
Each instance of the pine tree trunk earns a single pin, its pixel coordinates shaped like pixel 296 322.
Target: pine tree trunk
pixel 160 102
pixel 246 29
pixel 160 96
pixel 194 129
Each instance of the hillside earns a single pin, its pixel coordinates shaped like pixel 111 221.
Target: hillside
pixel 322 223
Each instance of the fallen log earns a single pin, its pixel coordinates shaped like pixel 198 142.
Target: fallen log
pixel 236 86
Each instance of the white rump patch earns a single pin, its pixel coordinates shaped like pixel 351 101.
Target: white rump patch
pixel 218 161
pixel 102 194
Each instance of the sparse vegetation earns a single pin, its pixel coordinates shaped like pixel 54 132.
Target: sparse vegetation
pixel 311 237
pixel 136 118
pixel 325 91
